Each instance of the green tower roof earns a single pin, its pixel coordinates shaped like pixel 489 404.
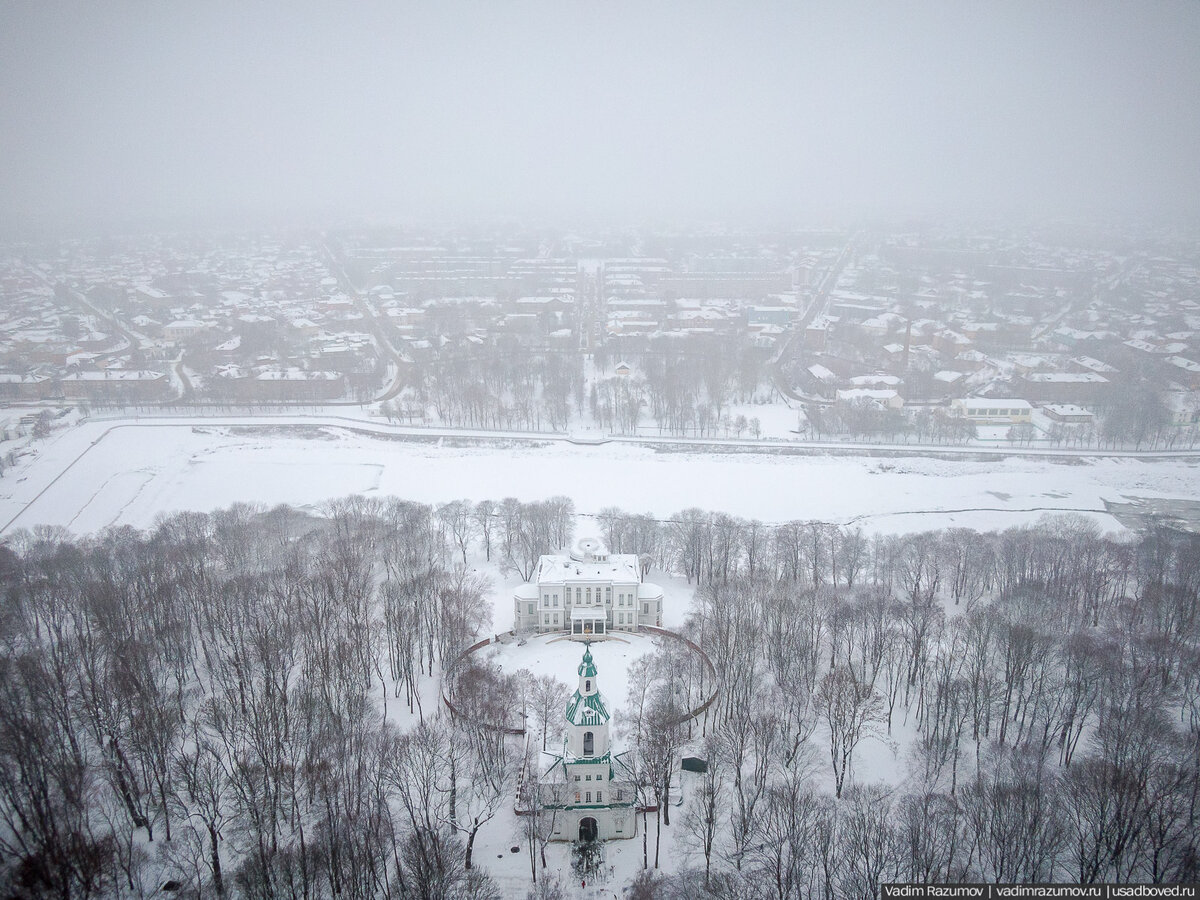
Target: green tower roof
pixel 586 708
pixel 587 668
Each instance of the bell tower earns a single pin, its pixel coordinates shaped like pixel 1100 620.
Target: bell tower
pixel 587 716
pixel 593 788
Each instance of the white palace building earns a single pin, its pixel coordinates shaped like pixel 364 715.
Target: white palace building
pixel 591 592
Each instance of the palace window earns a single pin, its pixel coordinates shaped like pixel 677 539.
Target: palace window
pixel 608 595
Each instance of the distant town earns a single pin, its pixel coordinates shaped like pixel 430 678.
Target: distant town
pixel 1057 336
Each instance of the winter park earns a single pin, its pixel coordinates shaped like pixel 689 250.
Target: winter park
pixel 608 451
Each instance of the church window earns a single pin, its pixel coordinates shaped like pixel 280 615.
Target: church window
pixel 577 796
pixel 576 777
pixel 620 795
pixel 599 797
pixel 589 797
pixel 588 738
pixel 587 777
pixel 587 685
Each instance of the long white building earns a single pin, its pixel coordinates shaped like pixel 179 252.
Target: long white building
pixel 590 592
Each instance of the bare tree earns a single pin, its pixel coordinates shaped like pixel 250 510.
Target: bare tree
pixel 849 709
pixel 703 817
pixel 548 699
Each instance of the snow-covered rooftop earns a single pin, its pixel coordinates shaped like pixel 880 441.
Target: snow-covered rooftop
pixel 621 567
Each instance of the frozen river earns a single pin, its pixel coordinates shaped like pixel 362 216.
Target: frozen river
pixel 104 473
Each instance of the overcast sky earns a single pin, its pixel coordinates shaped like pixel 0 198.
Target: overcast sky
pixel 111 110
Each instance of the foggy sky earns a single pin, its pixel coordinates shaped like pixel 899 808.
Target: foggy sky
pixel 123 110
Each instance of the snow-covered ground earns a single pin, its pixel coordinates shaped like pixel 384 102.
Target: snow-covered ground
pixel 559 657
pixel 104 473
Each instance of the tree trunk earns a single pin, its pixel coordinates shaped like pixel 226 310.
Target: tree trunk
pixel 657 833
pixel 470 846
pixel 218 881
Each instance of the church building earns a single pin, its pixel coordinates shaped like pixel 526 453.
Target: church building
pixel 588 786
pixel 590 592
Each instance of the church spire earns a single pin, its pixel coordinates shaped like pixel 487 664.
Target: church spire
pixel 586 706
pixel 587 673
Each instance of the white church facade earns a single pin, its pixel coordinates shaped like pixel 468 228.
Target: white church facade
pixel 588 788
pixel 589 593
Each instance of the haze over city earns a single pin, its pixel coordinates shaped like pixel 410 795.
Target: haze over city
pixel 134 112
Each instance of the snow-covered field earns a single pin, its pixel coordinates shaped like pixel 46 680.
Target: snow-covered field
pixel 105 473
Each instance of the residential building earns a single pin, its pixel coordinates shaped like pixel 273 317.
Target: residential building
pixel 986 411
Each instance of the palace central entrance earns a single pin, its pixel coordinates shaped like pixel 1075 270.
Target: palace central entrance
pixel 587 621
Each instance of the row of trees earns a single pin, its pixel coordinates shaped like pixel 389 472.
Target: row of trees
pixel 683 390
pixel 1139 420
pixel 227 701
pixel 1068 553
pixel 1040 689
